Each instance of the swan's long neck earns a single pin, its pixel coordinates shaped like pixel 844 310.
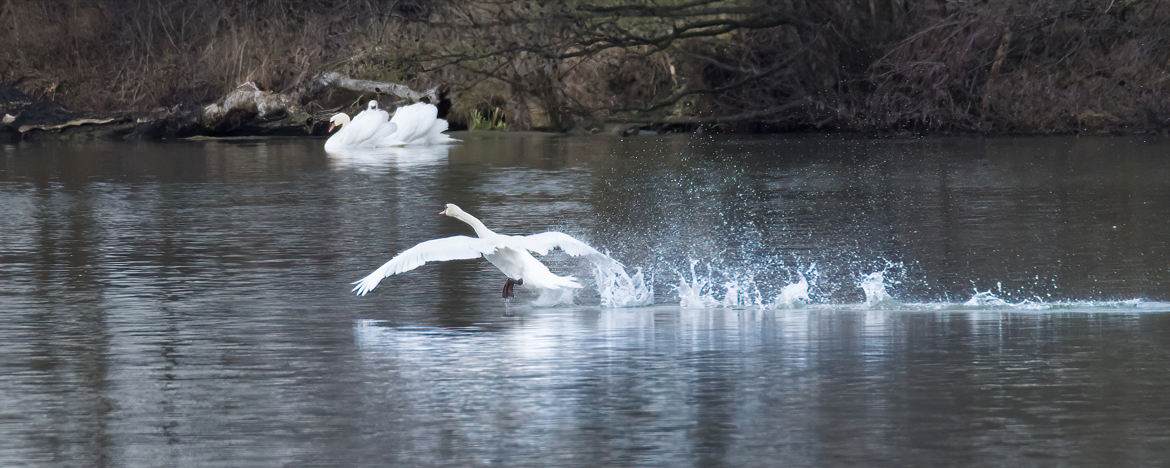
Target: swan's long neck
pixel 476 224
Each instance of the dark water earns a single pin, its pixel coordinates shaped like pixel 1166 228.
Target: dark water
pixel 188 303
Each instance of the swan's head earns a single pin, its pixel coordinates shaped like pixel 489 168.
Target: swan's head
pixel 337 121
pixel 372 105
pixel 451 210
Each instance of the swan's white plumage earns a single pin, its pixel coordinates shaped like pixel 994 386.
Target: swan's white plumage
pixel 415 124
pixel 435 250
pixel 512 255
pixel 543 243
pixel 418 123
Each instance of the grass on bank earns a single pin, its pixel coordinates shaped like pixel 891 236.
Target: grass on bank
pixel 491 120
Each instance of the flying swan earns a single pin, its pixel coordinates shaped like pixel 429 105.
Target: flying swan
pixel 511 254
pixel 416 124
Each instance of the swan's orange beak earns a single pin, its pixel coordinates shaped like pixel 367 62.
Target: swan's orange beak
pixel 331 127
pixel 443 212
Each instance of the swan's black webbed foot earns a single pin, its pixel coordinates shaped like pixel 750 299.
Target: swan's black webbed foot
pixel 508 285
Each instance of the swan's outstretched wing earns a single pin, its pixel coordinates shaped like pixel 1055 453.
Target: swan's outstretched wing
pixel 543 243
pixel 436 250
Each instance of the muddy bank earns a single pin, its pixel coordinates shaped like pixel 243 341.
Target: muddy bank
pixel 21 115
pixel 246 111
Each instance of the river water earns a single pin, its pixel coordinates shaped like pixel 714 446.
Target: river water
pixel 787 301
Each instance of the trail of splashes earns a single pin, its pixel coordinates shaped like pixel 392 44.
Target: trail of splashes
pixel 721 289
pixel 706 285
pixel 700 291
pixel 737 289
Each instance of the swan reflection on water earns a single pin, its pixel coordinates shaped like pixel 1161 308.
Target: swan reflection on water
pixel 398 157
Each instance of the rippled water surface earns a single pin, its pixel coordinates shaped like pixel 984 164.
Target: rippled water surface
pixel 815 301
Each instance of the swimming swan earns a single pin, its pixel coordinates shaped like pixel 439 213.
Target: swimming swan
pixel 416 124
pixel 508 253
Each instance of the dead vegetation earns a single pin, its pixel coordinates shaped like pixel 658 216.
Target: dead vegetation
pixel 887 65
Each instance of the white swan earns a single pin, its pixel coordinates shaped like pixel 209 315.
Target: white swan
pixel 416 124
pixel 508 253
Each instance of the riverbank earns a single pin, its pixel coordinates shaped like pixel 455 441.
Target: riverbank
pixel 151 69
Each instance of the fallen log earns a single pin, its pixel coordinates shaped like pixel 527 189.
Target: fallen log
pixel 337 80
pixel 250 110
pixel 248 98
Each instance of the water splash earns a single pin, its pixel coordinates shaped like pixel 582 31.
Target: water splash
pixel 731 288
pixel 618 288
pixel 985 299
pixel 694 292
pixel 710 284
pixel 741 292
pixel 793 296
pixel 796 295
pixel 717 288
pixel 874 286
